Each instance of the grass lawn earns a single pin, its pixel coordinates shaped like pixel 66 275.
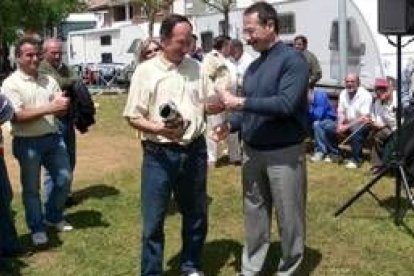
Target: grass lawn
pixel 362 241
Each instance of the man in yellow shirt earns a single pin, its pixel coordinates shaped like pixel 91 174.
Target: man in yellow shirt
pixel 175 155
pixel 37 100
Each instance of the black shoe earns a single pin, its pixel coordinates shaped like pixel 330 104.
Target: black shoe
pixel 70 201
pixel 15 253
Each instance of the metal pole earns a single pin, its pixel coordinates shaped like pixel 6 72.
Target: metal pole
pixel 398 217
pixel 343 40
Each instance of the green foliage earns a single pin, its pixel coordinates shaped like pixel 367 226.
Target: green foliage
pixel 32 15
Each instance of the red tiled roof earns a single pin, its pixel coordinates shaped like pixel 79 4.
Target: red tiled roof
pixel 98 4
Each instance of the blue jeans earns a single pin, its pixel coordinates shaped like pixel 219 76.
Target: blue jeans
pixel 8 236
pixel 325 137
pixel 181 170
pixel 32 153
pixel 67 130
pixel 357 141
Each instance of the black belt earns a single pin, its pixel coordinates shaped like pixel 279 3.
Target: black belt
pixel 173 146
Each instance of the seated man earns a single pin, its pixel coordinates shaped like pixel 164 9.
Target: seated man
pixel 322 116
pixel 354 108
pixel 383 121
pixel 353 117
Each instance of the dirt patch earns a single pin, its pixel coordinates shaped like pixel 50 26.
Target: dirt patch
pixel 97 154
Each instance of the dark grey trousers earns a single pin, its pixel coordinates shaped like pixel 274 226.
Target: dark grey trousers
pixel 274 179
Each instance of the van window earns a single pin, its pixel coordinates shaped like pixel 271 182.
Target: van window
pixel 287 24
pixel 355 45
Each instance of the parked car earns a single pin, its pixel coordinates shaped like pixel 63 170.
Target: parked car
pixel 103 74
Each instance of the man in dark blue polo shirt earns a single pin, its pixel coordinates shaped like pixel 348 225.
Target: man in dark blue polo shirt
pixel 272 118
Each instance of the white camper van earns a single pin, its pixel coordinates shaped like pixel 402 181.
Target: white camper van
pixel 369 52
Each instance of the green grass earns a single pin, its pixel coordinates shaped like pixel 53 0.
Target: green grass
pixel 362 241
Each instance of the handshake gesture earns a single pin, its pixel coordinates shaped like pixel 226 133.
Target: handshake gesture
pixel 223 100
pixel 229 102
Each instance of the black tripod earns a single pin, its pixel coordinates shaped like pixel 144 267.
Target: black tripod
pixel 397 164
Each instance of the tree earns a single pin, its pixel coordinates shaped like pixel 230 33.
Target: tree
pixel 33 16
pixel 152 8
pixel 222 6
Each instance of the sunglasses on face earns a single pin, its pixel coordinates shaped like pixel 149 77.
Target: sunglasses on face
pixel 381 90
pixel 151 51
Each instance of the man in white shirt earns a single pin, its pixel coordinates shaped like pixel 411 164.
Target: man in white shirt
pixel 241 59
pixel 353 117
pixel 354 107
pixel 215 70
pixel 383 121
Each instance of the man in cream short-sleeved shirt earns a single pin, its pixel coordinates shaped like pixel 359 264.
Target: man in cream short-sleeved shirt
pixel 37 99
pixel 175 157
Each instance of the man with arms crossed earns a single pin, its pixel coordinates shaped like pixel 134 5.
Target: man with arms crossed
pixel 272 118
pixel 37 100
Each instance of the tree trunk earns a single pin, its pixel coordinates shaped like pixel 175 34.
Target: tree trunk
pixel 151 20
pixel 5 66
pixel 226 27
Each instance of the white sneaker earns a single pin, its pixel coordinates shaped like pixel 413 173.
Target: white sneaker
pixel 197 273
pixel 62 226
pixel 351 165
pixel 327 159
pixel 39 238
pixel 317 156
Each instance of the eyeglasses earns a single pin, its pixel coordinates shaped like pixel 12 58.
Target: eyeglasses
pixel 152 51
pixel 381 90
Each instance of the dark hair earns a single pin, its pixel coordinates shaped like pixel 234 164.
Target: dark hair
pixel 220 41
pixel 169 23
pixel 266 12
pixel 303 39
pixel 25 40
pixel 236 43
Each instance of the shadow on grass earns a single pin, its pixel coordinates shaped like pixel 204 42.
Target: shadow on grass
pixel 96 191
pixel 11 266
pixel 86 219
pixel 390 204
pixel 220 253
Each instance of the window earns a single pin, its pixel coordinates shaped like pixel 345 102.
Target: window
pixel 355 45
pixel 287 23
pixel 106 57
pixel 123 13
pixel 119 13
pixel 106 40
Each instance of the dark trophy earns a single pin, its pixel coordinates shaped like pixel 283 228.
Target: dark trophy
pixel 172 117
